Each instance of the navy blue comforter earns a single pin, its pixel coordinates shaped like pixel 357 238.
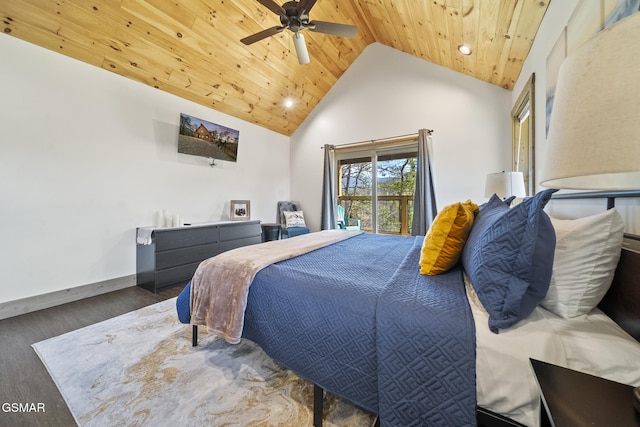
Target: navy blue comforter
pixel 359 320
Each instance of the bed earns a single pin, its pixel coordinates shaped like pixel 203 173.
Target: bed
pixel 358 319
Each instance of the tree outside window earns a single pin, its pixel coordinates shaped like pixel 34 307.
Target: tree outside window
pixel 395 179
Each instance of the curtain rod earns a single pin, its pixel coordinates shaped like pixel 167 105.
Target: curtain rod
pixel 382 140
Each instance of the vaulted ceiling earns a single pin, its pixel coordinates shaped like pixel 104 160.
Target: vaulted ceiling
pixel 191 48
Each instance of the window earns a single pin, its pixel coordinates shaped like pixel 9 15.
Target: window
pixel 522 125
pixel 376 186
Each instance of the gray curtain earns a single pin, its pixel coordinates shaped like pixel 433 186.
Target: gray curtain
pixel 328 214
pixel 424 197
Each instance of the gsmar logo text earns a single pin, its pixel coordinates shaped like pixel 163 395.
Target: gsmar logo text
pixel 23 407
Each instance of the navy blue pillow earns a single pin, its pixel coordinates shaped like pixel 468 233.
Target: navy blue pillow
pixel 509 258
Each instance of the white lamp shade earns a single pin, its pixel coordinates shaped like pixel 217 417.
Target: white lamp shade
pixel 505 184
pixel 594 134
pixel 301 48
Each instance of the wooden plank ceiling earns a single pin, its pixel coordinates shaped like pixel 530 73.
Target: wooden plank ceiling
pixel 191 48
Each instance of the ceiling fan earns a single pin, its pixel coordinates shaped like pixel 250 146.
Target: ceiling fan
pixel 294 16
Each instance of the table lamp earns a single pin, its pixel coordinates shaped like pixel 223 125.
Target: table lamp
pixel 594 134
pixel 505 184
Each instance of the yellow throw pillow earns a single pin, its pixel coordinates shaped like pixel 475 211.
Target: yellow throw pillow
pixel 443 244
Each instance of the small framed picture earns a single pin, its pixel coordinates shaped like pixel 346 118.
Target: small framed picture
pixel 240 210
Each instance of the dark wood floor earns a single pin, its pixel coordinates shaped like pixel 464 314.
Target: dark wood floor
pixel 24 379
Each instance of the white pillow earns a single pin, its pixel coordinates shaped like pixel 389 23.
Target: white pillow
pixel 294 219
pixel 586 256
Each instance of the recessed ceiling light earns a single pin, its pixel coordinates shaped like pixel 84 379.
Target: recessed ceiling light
pixel 288 103
pixel 464 49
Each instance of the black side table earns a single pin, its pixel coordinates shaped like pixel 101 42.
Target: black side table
pixel 572 398
pixel 270 232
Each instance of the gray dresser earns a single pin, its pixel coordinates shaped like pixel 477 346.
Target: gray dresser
pixel 174 253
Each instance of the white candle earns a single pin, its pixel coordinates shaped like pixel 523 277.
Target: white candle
pixel 158 220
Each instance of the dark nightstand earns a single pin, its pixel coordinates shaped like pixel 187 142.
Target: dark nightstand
pixel 270 232
pixel 572 398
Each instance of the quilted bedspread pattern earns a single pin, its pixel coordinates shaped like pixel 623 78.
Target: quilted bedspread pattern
pixel 426 349
pixel 388 339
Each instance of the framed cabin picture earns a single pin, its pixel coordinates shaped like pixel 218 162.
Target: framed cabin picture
pixel 199 137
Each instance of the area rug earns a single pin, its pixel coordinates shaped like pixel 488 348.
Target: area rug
pixel 139 369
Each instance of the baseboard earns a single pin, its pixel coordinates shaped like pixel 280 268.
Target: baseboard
pixel 51 299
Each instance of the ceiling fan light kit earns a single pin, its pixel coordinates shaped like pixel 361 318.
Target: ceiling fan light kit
pixel 301 48
pixel 294 16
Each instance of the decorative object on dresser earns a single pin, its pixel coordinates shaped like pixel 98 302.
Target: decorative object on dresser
pixel 168 257
pixel 240 210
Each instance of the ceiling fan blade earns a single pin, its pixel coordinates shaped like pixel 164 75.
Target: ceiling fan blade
pixel 273 7
pixel 305 6
pixel 262 35
pixel 341 30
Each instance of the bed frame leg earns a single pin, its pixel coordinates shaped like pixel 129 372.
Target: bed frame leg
pixel 318 394
pixel 194 336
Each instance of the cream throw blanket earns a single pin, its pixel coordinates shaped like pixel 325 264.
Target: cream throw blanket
pixel 220 285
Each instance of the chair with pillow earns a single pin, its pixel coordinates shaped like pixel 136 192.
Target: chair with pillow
pixel 291 219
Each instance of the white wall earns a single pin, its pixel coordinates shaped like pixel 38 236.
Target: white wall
pixel 555 19
pixel 388 93
pixel 87 156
